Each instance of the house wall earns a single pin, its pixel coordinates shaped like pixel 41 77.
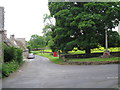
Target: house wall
pixel 1 33
pixel 1 46
pixel 1 18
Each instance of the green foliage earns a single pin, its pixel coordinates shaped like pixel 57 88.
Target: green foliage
pixel 10 67
pixel 83 25
pixel 12 53
pixel 19 58
pixel 47 30
pixel 12 60
pixel 37 41
pixel 29 48
pixel 114 39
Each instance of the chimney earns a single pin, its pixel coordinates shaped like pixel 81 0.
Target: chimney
pixel 12 37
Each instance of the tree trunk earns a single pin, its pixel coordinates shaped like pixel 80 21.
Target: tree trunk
pixel 87 51
pixel 59 54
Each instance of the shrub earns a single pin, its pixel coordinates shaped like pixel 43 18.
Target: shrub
pixel 12 53
pixel 9 54
pixel 29 48
pixel 19 58
pixel 9 67
pixel 12 60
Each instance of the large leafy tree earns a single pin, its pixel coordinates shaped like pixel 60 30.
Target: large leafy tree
pixel 83 24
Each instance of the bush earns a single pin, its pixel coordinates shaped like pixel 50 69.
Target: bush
pixel 9 68
pixel 12 53
pixel 12 60
pixel 9 54
pixel 29 48
pixel 19 58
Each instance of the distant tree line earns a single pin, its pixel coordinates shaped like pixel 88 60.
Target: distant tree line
pixel 36 41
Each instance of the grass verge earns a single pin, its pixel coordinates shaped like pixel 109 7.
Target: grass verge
pixel 55 60
pixel 96 59
pixel 10 67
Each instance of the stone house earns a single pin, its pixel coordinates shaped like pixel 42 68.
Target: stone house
pixel 19 43
pixel 16 42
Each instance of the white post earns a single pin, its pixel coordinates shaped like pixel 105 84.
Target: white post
pixel 106 40
pixel 106 52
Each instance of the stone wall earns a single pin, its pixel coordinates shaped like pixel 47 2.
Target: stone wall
pixel 116 54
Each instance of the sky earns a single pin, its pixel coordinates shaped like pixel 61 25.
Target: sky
pixel 24 18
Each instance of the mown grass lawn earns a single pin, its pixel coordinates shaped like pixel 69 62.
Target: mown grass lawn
pixel 95 59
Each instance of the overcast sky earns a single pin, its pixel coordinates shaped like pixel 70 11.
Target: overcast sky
pixel 24 18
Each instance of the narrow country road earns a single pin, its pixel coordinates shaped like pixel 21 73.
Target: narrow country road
pixel 41 73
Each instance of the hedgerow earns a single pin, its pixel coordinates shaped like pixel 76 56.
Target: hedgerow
pixel 12 60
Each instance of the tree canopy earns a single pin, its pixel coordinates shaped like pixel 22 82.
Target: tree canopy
pixel 37 41
pixel 83 24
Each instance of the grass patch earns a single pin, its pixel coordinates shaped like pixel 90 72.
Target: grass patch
pixel 55 60
pixel 95 59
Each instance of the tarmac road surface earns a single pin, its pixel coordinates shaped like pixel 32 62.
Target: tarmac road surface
pixel 41 73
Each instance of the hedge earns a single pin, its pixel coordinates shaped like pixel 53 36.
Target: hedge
pixel 12 54
pixel 12 60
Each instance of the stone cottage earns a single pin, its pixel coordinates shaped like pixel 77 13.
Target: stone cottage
pixel 16 42
pixel 19 43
